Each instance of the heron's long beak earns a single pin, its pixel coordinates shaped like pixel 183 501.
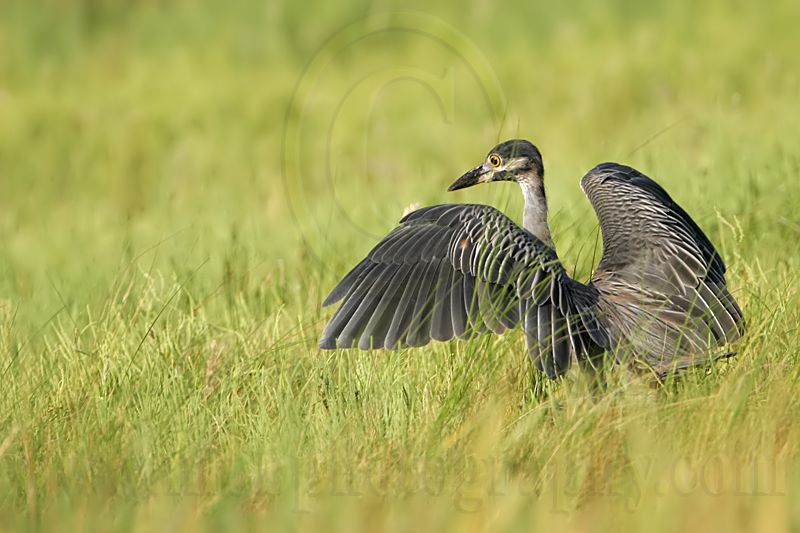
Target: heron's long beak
pixel 479 174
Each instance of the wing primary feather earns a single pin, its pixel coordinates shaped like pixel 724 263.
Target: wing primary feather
pixel 374 334
pixel 346 284
pixel 369 301
pixel 353 299
pixel 545 335
pixel 419 332
pixel 561 358
pixel 442 321
pixel 458 311
pixel 472 305
pixel 405 308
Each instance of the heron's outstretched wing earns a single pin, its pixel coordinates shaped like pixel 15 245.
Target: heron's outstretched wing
pixel 661 282
pixel 453 270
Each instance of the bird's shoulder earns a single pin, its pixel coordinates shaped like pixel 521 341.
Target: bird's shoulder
pixel 484 225
pixel 609 174
pixel 453 214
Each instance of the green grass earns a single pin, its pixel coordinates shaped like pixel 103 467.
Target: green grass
pixel 181 185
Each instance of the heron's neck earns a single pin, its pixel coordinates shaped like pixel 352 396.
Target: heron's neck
pixel 534 217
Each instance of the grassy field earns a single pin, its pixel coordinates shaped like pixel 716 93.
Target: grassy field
pixel 181 184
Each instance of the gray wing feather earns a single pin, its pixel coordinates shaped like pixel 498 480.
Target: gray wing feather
pixel 458 270
pixel 377 328
pixel 442 321
pixel 420 328
pixel 662 289
pixel 359 319
pixel 401 319
pixel 457 310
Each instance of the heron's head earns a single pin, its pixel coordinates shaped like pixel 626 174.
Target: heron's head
pixel 515 160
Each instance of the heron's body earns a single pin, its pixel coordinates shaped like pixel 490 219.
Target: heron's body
pixel 658 297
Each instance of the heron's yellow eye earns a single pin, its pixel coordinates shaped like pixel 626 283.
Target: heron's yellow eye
pixel 495 160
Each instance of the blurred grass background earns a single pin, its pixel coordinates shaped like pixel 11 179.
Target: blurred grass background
pixel 181 183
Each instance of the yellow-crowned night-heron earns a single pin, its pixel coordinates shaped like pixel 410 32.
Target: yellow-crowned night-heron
pixel 658 297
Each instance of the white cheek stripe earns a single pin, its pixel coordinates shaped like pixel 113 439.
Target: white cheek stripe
pixel 514 164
